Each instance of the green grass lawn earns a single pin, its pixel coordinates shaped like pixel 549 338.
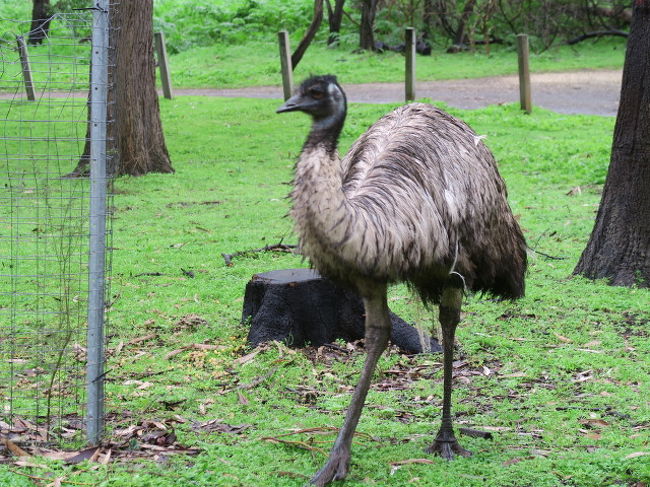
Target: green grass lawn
pixel 560 377
pixel 257 63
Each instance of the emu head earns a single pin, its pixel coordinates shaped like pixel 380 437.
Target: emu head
pixel 322 98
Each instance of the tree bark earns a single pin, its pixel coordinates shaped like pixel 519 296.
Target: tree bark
pixel 309 35
pixel 137 143
pixel 460 36
pixel 40 22
pixel 335 18
pixel 367 27
pixel 619 246
pixel 428 10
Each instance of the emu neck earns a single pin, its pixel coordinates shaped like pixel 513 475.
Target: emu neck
pixel 320 208
pixel 325 133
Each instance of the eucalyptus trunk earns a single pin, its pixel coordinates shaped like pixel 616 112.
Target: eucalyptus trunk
pixel 619 247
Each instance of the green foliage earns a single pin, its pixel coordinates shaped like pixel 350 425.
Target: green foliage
pixel 203 23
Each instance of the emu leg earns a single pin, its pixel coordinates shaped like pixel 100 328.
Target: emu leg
pixel 376 335
pixel 445 443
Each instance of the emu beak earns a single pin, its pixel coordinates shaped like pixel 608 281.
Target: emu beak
pixel 291 105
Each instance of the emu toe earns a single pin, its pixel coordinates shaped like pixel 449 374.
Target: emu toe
pixel 446 445
pixel 336 468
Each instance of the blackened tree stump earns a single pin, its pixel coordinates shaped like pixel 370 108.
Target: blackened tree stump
pixel 300 307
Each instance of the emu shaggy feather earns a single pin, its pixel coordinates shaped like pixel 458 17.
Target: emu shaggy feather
pixel 417 194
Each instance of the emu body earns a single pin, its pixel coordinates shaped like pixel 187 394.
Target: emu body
pixel 418 198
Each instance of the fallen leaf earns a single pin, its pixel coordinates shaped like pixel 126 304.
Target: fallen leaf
pixel 637 454
pixel 217 426
pixel 247 358
pixel 562 338
pixel 13 448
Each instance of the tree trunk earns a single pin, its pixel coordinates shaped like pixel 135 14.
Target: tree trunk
pixel 40 21
pixel 335 18
pixel 428 11
pixel 461 35
pixel 309 35
pixel 135 134
pixel 367 27
pixel 619 247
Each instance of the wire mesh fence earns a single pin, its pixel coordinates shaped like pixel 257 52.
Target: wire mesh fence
pixel 46 258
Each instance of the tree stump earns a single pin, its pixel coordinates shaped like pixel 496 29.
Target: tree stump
pixel 300 307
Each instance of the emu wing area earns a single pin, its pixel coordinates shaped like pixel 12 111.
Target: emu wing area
pixel 433 200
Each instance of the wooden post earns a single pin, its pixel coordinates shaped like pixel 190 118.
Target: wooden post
pixel 161 54
pixel 524 74
pixel 27 70
pixel 285 63
pixel 409 51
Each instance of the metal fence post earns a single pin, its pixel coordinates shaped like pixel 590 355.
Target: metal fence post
pixel 409 51
pixel 285 64
pixel 97 255
pixel 163 64
pixel 27 70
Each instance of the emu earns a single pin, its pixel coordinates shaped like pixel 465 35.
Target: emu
pixel 417 199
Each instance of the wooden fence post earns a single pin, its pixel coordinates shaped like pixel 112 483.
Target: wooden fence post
pixel 285 64
pixel 161 54
pixel 524 74
pixel 27 70
pixel 409 51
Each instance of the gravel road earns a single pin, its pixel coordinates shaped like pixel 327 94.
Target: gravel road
pixel 594 92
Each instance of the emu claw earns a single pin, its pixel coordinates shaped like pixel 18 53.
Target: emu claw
pixel 448 449
pixel 336 468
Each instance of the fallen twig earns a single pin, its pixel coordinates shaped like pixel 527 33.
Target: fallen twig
pixel 546 255
pixel 278 247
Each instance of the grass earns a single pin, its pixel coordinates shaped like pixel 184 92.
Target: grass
pixel 257 63
pixel 560 377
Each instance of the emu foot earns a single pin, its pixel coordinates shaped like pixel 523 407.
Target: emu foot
pixel 446 445
pixel 336 468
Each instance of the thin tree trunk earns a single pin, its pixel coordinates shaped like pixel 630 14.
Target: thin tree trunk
pixel 335 18
pixel 367 27
pixel 309 35
pixel 40 21
pixel 460 36
pixel 427 19
pixel 137 143
pixel 619 247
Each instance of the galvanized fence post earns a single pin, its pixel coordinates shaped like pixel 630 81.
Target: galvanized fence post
pixel 97 254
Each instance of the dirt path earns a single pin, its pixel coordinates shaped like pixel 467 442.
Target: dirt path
pixel 587 92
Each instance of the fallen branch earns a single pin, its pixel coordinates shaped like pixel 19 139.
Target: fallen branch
pixel 600 33
pixel 278 247
pixel 546 255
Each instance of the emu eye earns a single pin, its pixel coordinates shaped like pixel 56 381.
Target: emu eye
pixel 317 94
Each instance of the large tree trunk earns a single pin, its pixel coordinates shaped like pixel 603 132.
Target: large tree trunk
pixel 40 21
pixel 309 35
pixel 136 135
pixel 335 18
pixel 619 247
pixel 367 28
